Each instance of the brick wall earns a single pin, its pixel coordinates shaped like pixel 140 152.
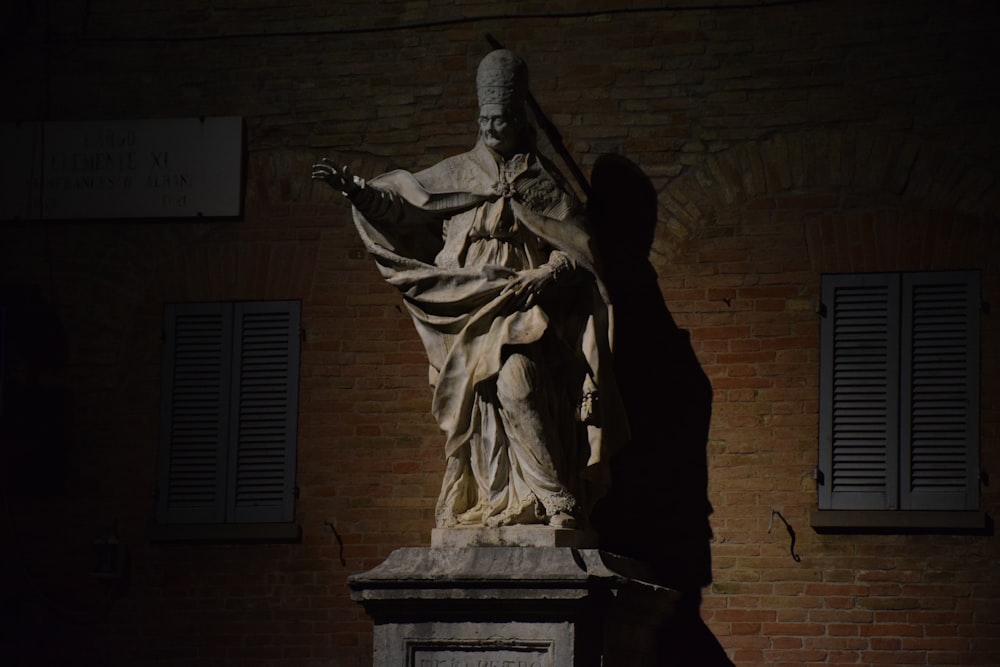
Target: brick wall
pixel 782 142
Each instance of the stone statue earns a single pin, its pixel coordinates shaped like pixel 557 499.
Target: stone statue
pixel 492 254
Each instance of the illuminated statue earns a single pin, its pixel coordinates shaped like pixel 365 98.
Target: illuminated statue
pixel 492 254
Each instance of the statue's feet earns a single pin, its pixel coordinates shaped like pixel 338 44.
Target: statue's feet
pixel 562 520
pixel 472 517
pixel 525 513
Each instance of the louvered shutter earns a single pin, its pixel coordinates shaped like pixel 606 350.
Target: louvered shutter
pixel 229 412
pixel 939 431
pixel 194 413
pixel 859 392
pixel 264 412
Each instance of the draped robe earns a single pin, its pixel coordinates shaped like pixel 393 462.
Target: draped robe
pixel 450 239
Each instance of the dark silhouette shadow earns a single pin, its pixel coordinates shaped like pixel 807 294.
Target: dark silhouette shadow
pixel 34 413
pixel 657 509
pixel 35 432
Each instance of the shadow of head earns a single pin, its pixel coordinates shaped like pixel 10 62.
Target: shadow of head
pixel 657 509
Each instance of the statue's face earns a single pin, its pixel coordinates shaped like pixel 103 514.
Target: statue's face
pixel 501 128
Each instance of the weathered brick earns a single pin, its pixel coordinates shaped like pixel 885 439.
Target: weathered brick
pixel 783 142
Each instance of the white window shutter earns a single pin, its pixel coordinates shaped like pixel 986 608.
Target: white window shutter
pixel 939 430
pixel 194 414
pixel 859 392
pixel 229 412
pixel 264 411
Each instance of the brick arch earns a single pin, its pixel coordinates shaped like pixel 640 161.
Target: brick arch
pixel 826 170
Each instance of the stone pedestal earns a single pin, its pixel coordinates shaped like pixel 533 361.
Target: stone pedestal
pixel 512 606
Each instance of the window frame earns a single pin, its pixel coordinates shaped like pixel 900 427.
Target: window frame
pixel 891 317
pixel 229 421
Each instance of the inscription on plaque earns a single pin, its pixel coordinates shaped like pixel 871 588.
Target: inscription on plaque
pixel 477 662
pixel 164 168
pixel 482 656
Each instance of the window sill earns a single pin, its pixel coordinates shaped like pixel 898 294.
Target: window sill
pixel 227 533
pixel 901 521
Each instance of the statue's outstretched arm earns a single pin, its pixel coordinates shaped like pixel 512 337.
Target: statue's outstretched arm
pixel 375 205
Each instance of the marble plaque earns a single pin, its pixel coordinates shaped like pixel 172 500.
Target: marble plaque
pixel 93 170
pixel 481 654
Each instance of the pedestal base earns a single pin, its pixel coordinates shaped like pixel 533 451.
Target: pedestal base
pixel 501 606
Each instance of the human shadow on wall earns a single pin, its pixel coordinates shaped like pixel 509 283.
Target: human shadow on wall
pixel 657 508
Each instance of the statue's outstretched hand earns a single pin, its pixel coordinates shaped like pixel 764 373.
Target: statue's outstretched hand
pixel 338 178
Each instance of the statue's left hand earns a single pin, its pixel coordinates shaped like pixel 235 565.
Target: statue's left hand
pixel 528 284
